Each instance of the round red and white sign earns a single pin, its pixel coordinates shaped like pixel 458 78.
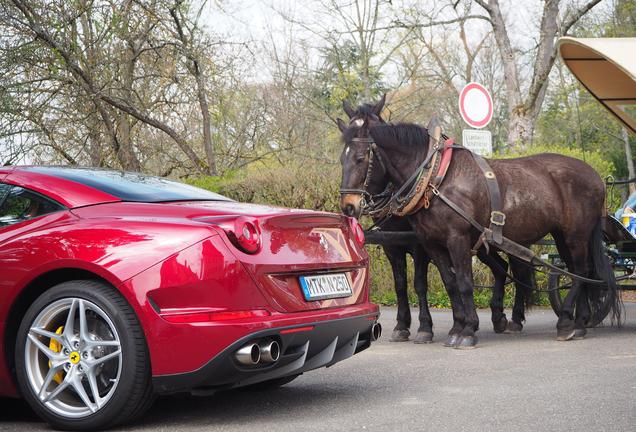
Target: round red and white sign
pixel 475 105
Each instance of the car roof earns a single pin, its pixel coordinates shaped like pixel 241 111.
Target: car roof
pixel 68 193
pixel 80 186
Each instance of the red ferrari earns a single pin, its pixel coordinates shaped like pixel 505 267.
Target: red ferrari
pixel 118 286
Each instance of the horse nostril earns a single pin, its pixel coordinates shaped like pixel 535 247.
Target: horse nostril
pixel 348 209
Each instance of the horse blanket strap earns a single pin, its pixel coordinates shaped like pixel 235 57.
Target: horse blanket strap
pixel 497 217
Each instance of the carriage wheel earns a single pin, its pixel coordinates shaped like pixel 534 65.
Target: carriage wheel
pixel 559 285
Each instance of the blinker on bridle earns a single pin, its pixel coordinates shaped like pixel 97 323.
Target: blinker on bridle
pixel 367 197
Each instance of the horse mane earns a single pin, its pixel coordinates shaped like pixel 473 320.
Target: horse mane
pixel 408 135
pixel 365 110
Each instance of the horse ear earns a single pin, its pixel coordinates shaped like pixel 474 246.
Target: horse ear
pixel 377 109
pixel 347 108
pixel 341 124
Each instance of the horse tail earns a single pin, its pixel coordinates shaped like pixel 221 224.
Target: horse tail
pixel 603 270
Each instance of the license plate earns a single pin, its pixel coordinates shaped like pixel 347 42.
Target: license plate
pixel 325 286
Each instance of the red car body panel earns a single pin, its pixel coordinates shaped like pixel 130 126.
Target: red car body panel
pixel 177 259
pixel 68 193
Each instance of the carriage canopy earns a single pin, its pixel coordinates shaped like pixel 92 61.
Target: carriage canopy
pixel 607 68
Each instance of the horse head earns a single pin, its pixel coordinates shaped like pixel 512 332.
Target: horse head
pixel 363 172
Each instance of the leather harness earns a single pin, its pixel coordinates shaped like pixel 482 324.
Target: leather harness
pixel 425 186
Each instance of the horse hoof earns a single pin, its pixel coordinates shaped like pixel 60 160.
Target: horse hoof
pixel 452 340
pixel 580 333
pixel 513 328
pixel 467 342
pixel 400 336
pixel 565 335
pixel 501 325
pixel 423 337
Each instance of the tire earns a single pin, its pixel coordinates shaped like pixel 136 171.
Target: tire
pixel 86 373
pixel 272 384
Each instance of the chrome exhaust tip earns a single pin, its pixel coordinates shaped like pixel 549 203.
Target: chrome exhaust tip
pixel 249 355
pixel 270 352
pixel 376 331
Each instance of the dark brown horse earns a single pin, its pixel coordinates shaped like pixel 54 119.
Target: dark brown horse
pixel 396 254
pixel 542 194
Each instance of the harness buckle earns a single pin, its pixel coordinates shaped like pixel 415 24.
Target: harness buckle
pixel 434 190
pixel 497 218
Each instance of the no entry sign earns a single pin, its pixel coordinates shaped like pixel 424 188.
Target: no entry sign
pixel 475 105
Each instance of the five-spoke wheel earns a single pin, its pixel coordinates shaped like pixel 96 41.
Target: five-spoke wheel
pixel 81 358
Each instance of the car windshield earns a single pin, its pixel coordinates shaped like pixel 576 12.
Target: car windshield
pixel 129 186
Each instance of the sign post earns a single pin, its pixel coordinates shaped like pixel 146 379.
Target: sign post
pixel 475 107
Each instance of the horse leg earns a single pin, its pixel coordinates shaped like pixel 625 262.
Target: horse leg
pixel 577 252
pixel 443 263
pixel 499 267
pixel 397 259
pixel 421 261
pixel 459 251
pixel 524 274
pixel 583 312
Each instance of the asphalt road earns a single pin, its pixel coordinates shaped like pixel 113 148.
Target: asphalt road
pixel 528 382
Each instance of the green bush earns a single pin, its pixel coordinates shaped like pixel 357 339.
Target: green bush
pixel 296 185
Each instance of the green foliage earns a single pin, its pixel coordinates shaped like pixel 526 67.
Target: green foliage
pixel 341 77
pixel 301 184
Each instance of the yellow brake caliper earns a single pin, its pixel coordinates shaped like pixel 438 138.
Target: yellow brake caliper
pixel 55 346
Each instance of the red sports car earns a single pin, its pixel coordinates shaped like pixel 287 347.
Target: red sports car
pixel 118 286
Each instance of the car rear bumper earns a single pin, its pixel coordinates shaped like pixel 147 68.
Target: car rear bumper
pixel 304 346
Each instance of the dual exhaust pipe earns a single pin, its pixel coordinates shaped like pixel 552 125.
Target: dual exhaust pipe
pixel 269 351
pixel 376 331
pixel 258 353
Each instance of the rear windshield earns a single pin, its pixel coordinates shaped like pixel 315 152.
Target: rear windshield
pixel 129 186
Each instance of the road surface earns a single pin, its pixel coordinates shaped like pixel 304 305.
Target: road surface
pixel 510 383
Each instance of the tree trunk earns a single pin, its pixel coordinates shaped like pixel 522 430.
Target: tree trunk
pixel 523 111
pixel 521 128
pixel 194 67
pixel 126 154
pixel 205 117
pixel 630 162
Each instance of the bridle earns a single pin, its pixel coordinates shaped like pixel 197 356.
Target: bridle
pixel 368 200
pixel 385 204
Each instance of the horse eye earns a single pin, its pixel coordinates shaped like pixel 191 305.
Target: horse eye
pixel 360 159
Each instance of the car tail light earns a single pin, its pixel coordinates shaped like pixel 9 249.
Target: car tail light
pixel 244 233
pixel 297 330
pixel 356 229
pixel 248 235
pixel 187 318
